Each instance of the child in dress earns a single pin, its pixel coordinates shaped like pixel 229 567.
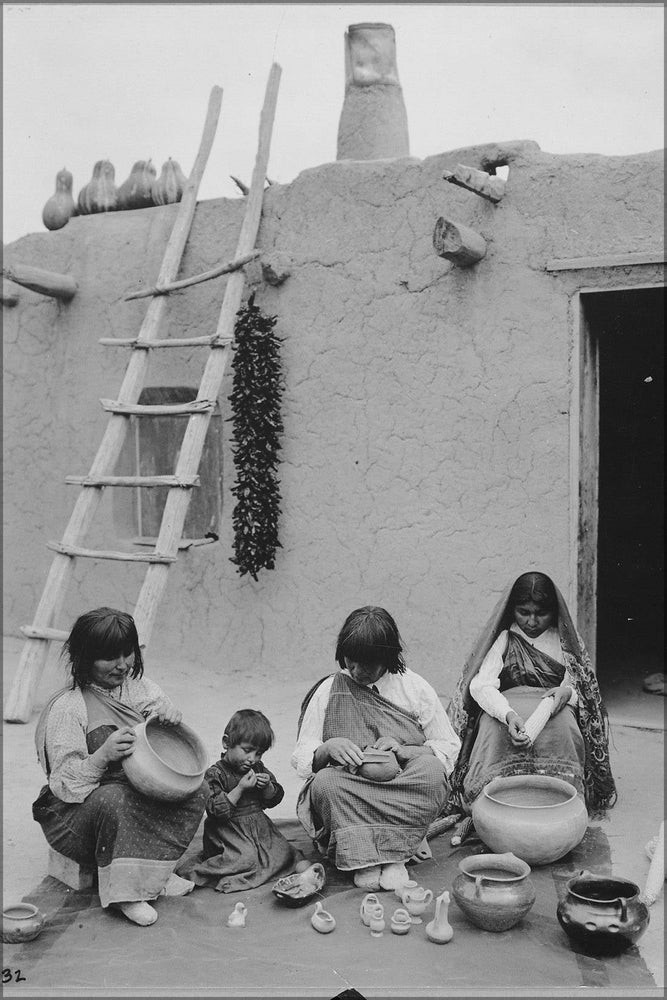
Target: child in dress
pixel 241 847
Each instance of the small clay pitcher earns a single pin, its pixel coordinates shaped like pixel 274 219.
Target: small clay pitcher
pixel 368 903
pixel 494 890
pixel 322 920
pixel 439 930
pixel 415 902
pixel 602 915
pixel 400 922
pixel 21 922
pixel 399 890
pixel 376 922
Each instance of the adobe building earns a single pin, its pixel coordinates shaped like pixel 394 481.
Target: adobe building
pixel 473 376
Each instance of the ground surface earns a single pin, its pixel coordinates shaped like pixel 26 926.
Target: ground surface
pixel 189 951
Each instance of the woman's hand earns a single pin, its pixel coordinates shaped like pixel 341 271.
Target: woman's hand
pixel 561 696
pixel 340 750
pixel 116 746
pixel 169 715
pixel 387 743
pixel 515 726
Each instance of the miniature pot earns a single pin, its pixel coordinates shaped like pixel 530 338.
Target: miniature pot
pixel 322 920
pixel 167 763
pixel 400 922
pixel 21 922
pixel 415 901
pixel 534 816
pixel 602 915
pixel 368 904
pixel 376 920
pixel 494 890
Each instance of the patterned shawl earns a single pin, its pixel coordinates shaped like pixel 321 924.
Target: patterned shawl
pixel 599 785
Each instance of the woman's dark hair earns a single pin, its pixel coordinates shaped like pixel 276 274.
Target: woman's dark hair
pixel 370 636
pixel 102 634
pixel 249 726
pixel 533 587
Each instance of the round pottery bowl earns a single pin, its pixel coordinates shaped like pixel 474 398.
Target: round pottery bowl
pixel 21 922
pixel 602 915
pixel 379 765
pixel 494 890
pixel 168 762
pixel 536 817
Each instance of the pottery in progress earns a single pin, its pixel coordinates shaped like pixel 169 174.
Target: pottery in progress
pixel 167 763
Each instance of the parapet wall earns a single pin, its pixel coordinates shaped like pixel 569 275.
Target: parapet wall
pixel 427 409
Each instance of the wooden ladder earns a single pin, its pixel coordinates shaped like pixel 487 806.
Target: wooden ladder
pixel 38 635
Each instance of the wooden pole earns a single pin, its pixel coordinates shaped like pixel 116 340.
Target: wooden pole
pixel 458 243
pixel 19 702
pixel 196 279
pixel 478 181
pixel 57 286
pixel 176 505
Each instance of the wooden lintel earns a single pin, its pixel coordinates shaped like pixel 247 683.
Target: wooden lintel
pixel 159 409
pixel 57 286
pixel 10 294
pixel 196 279
pixel 478 181
pixel 606 260
pixel 458 243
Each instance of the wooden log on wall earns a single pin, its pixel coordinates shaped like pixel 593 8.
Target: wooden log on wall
pixel 458 243
pixel 478 181
pixel 57 286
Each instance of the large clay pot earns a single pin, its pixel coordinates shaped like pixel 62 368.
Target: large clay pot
pixel 602 915
pixel 494 890
pixel 534 816
pixel 168 762
pixel 373 122
pixel 21 922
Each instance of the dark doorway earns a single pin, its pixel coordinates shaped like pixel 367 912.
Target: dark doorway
pixel 627 334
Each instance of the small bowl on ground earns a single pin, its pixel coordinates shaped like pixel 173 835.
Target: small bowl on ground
pixel 21 922
pixel 168 762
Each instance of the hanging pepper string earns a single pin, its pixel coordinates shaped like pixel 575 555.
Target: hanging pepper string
pixel 257 389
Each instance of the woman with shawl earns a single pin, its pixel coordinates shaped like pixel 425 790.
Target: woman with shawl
pixel 368 828
pixel 530 650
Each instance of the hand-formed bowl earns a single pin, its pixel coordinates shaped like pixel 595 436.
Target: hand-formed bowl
pixel 300 887
pixel 379 765
pixel 21 922
pixel 168 762
pixel 536 817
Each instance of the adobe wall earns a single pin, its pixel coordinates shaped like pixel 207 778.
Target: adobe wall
pixel 427 408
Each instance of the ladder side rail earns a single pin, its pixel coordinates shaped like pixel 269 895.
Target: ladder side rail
pixel 192 446
pixel 33 657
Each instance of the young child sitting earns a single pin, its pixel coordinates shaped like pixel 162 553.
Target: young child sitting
pixel 241 847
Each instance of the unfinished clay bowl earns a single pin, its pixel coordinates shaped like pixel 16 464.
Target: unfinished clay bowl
pixel 494 890
pixel 536 817
pixel 379 765
pixel 168 762
pixel 21 922
pixel 300 887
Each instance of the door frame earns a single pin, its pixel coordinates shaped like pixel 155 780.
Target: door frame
pixel 585 462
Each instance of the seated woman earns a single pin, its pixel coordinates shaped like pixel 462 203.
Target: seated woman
pixel 88 810
pixel 530 650
pixel 367 827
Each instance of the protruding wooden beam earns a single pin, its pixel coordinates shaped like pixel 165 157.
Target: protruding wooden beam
pixel 478 181
pixel 185 482
pixel 57 286
pixel 10 295
pixel 196 279
pixel 458 243
pixel 158 409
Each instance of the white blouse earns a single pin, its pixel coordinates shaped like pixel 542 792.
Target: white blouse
pixel 407 690
pixel 485 685
pixel 73 774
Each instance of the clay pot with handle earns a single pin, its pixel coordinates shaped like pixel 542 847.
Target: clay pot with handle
pixel 494 890
pixel 601 914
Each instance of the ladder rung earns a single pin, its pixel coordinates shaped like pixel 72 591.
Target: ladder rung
pixel 75 550
pixel 35 632
pixel 183 545
pixel 211 340
pixel 184 482
pixel 159 409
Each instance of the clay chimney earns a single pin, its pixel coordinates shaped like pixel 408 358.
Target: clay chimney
pixel 373 122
